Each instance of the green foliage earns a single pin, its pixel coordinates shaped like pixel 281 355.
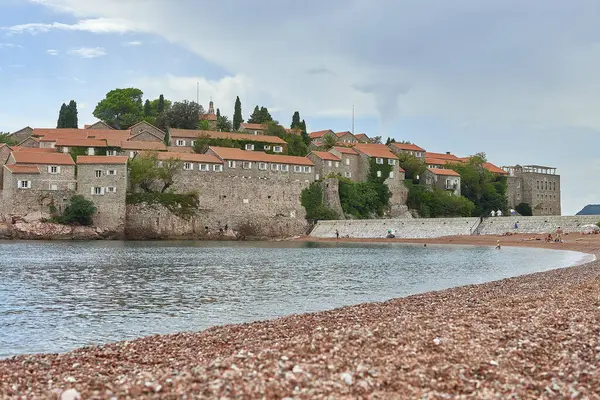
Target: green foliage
pixel 184 115
pixel 295 120
pixel 524 209
pixel 223 123
pixel 312 201
pixel 6 138
pixel 328 142
pixel 204 125
pixel 295 144
pixel 121 108
pixel 67 116
pixel 147 173
pixel 80 211
pixel 184 205
pixel 305 136
pixel 376 140
pixel 237 114
pixel 147 109
pixel 437 203
pixel 485 189
pixel 260 116
pixel 360 199
pixel 413 166
pixel 161 105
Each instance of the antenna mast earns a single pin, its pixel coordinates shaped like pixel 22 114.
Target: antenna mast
pixel 353 119
pixel 198 92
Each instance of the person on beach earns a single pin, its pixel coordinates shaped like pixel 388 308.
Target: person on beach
pixel 492 213
pixel 499 213
pixel 559 233
pixel 337 234
pixel 497 245
pixel 516 225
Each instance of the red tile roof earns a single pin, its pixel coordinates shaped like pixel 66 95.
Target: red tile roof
pixel 139 145
pixel 73 131
pixel 407 146
pixel 494 169
pixel 318 134
pixel 180 149
pixel 207 117
pixel 34 149
pixel 340 134
pixel 191 157
pixel 71 142
pixel 325 155
pixel 444 172
pixel 253 126
pixel 28 157
pixel 102 160
pixel 228 153
pixel 443 156
pixel 191 133
pixel 345 150
pixel 23 169
pixel 375 150
pixel 362 136
pixel 438 161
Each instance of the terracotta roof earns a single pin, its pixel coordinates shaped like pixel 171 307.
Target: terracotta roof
pixel 28 157
pixel 445 172
pixel 345 150
pixel 23 169
pixel 208 117
pixel 191 157
pixel 71 142
pixel 191 133
pixel 362 136
pixel 34 149
pixel 180 149
pixel 253 126
pixel 139 145
pixel 407 146
pixel 73 131
pixel 438 161
pixel 443 156
pixel 318 134
pixel 375 150
pixel 340 134
pixel 102 160
pixel 494 169
pixel 228 153
pixel 325 155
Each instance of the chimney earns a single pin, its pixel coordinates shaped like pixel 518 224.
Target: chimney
pixel 448 152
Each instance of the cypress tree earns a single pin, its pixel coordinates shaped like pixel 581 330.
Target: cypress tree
pixel 237 114
pixel 147 109
pixel 61 116
pixel 73 120
pixel 161 104
pixel 218 114
pixel 304 134
pixel 295 120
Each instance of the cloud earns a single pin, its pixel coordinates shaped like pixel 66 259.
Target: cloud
pixel 97 25
pixel 10 46
pixel 132 43
pixel 88 52
pixel 52 52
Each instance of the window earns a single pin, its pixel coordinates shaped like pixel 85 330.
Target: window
pixel 24 184
pixel 297 168
pixel 262 166
pixel 247 165
pixel 267 147
pixel 391 174
pixel 518 184
pixel 250 147
pixel 111 189
pixel 204 167
pixel 379 174
pixel 554 184
pixel 307 170
pixel 111 172
pixel 337 164
pixel 91 151
pixel 546 185
pixel 98 173
pixel 329 163
pixel 537 184
pixel 348 174
pixel 274 167
pixel 391 161
pixel 188 166
pixel 131 154
pixel 278 149
pixel 111 152
pixel 231 164
pixel 379 160
pixel 53 186
pixel 218 167
pixel 347 161
pixel 98 191
pixel 53 169
pixel 285 168
pixel 180 142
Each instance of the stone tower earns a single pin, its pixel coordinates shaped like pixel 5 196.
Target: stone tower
pixel 211 107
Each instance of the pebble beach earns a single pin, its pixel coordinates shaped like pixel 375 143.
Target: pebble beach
pixel 530 337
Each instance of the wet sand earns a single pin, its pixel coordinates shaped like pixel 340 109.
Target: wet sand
pixel 535 336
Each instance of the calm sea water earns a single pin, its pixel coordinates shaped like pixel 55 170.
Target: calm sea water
pixel 61 295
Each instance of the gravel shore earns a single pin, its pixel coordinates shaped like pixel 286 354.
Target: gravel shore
pixel 536 336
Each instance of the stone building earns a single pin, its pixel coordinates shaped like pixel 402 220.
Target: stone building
pixel 253 129
pixel 535 185
pixel 103 180
pixel 443 179
pixel 145 131
pixel 407 148
pixel 362 138
pixel 343 161
pixel 188 137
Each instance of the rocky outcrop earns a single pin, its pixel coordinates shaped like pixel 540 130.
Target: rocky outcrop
pixel 34 227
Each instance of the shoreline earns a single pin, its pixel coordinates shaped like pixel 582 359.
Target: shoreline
pixel 498 338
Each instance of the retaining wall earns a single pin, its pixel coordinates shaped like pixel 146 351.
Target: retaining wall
pixel 537 224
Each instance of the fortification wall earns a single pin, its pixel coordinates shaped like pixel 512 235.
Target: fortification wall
pixel 259 207
pixel 536 224
pixel 403 228
pixel 331 195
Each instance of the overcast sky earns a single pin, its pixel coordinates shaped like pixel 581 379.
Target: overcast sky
pixel 517 80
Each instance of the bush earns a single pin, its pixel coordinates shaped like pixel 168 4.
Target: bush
pixel 437 203
pixel 524 209
pixel 80 211
pixel 183 205
pixel 312 201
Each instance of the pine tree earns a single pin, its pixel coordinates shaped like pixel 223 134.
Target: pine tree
pixel 265 116
pixel 61 116
pixel 73 120
pixel 237 114
pixel 255 116
pixel 295 120
pixel 161 104
pixel 147 109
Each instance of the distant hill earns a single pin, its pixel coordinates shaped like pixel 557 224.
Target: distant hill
pixel 590 209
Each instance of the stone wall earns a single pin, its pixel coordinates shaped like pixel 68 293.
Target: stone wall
pixel 536 224
pixel 331 195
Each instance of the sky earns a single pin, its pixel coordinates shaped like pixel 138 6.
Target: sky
pixel 516 80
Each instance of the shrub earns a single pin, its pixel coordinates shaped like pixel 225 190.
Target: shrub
pixel 524 209
pixel 183 205
pixel 312 201
pixel 80 211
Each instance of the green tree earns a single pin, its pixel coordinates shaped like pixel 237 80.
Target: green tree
pixel 524 209
pixel 376 140
pixel 184 115
pixel 237 114
pixel 312 201
pixel 72 120
pixel 79 211
pixel 218 114
pixel 6 138
pixel 147 109
pixel 204 125
pixel 328 141
pixel 296 124
pixel 260 116
pixel 61 123
pixel 413 166
pixel 224 124
pixel 147 173
pixel 160 107
pixel 305 136
pixel 201 143
pixel 121 108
